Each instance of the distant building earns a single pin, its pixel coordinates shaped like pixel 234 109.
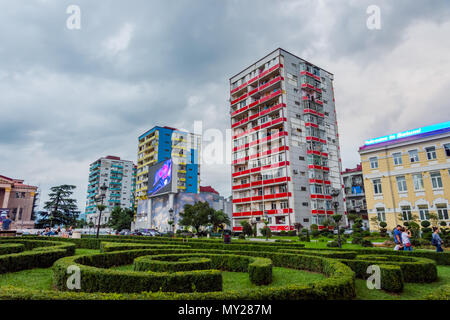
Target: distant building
pixel 354 193
pixel 120 178
pixel 168 173
pixel 406 175
pixel 154 213
pixel 18 200
pixel 163 143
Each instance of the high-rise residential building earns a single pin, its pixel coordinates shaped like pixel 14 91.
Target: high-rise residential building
pixel 406 176
pixel 168 173
pixel 119 176
pixel 18 201
pixel 355 199
pixel 285 153
pixel 163 143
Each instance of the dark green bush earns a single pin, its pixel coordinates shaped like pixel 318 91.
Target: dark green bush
pixel 391 278
pixel 366 243
pixel 333 244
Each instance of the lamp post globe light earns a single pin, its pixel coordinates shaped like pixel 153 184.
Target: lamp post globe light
pixel 100 206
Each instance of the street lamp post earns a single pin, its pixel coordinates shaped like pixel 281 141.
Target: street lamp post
pixel 335 194
pixel 100 206
pixel 172 221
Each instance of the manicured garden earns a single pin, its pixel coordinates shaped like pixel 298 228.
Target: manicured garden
pixel 120 267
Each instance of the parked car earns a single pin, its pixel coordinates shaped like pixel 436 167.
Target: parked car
pixel 125 232
pixel 348 231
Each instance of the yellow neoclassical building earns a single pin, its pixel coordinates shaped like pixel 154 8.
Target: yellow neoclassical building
pixel 407 175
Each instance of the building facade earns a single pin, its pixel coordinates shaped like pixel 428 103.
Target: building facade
pixel 163 143
pixel 168 165
pixel 406 175
pixel 157 209
pixel 120 178
pixel 285 143
pixel 18 200
pixel 354 193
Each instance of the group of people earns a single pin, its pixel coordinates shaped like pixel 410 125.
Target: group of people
pixel 402 239
pixel 57 232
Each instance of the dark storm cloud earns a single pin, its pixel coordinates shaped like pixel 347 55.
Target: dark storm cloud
pixel 68 97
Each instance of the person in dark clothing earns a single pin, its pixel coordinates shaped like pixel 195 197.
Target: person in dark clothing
pixel 6 223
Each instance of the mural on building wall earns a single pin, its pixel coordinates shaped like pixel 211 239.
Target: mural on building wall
pixel 160 207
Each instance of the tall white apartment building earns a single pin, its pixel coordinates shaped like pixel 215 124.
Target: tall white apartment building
pixel 285 143
pixel 120 178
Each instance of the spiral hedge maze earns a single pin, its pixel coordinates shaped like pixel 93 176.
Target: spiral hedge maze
pixel 162 268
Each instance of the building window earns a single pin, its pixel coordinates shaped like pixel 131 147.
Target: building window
pixel 436 180
pixel 397 158
pixel 273 205
pixel 373 162
pixel 401 184
pixel 431 153
pixel 284 205
pixel 413 156
pixel 442 211
pixel 406 213
pixel 381 215
pixel 423 212
pixel 377 186
pixel 418 182
pixel 447 149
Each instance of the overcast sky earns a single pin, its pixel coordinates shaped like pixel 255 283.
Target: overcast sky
pixel 68 97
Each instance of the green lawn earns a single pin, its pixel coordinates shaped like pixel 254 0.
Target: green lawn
pixel 281 277
pixel 411 291
pixel 38 278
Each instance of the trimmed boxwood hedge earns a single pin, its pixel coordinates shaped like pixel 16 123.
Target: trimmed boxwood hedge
pixel 259 269
pixel 338 285
pixel 11 248
pixel 171 263
pixel 96 279
pixel 416 270
pixel 37 254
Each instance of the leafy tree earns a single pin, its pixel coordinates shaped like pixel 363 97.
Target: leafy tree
pixel 81 223
pixel 298 226
pixel 357 231
pixel 196 216
pixel 218 218
pixel 383 229
pixel 337 221
pixel 246 228
pixel 120 218
pixel 61 208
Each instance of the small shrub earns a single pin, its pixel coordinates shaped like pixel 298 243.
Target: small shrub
pixel 366 243
pixel 333 244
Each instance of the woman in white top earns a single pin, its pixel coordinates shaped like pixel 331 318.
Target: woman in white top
pixel 406 234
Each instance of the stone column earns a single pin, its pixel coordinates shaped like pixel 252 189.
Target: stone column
pixel 6 198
